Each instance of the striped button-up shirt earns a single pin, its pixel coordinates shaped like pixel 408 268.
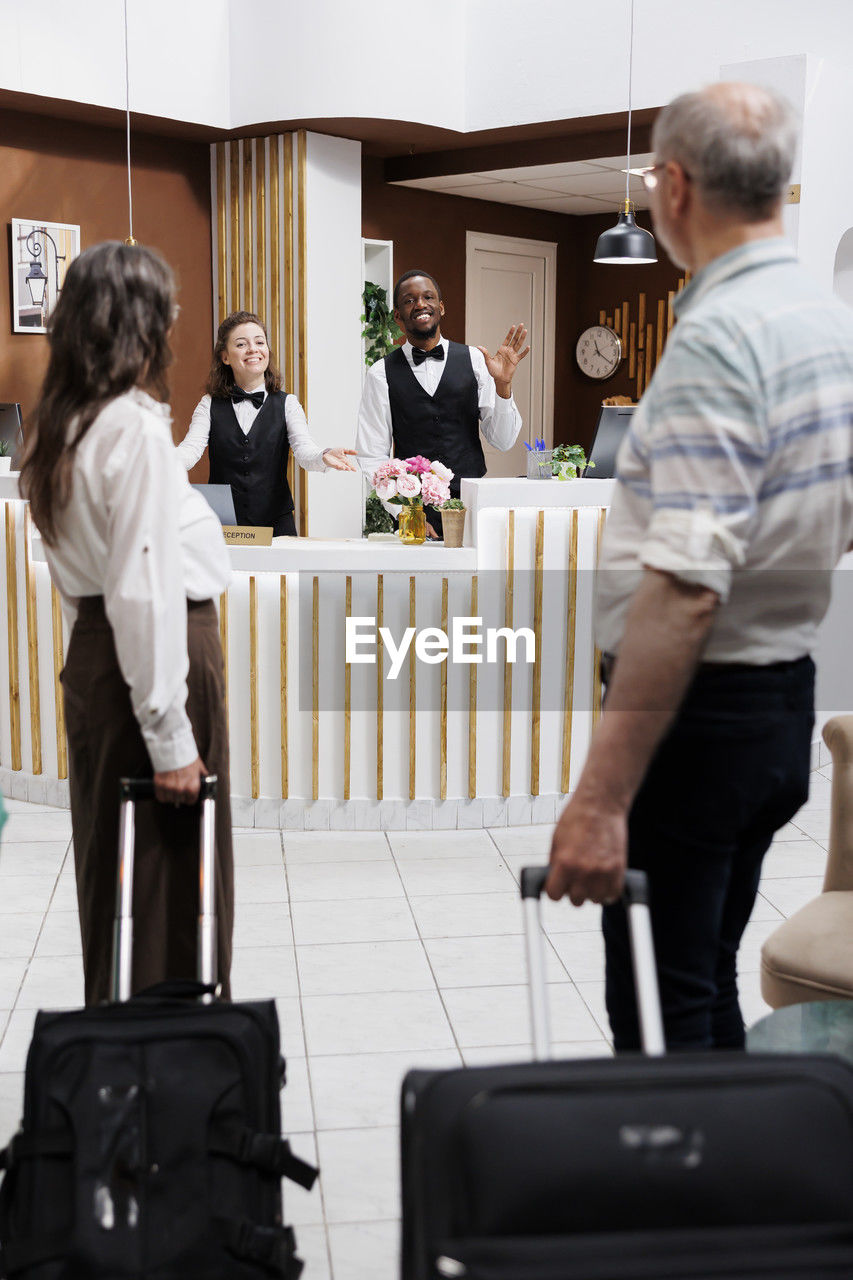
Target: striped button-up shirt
pixel 737 471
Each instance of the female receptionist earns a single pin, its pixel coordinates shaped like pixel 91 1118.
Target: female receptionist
pixel 250 425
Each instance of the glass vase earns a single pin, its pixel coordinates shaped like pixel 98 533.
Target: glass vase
pixel 412 527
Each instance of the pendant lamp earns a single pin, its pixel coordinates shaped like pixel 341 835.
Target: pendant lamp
pixel 626 244
pixel 130 240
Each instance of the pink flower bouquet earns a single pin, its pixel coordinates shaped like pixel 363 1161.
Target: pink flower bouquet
pixel 413 482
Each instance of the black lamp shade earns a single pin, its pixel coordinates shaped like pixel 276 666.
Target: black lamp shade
pixel 36 283
pixel 626 244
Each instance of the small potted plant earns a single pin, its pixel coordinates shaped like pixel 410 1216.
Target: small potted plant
pixel 5 457
pixel 453 521
pixel 568 461
pixel 412 484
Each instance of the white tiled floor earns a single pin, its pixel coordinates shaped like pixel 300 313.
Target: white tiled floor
pixel 383 952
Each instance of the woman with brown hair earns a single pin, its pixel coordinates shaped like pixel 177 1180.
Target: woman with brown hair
pixel 137 557
pixel 250 426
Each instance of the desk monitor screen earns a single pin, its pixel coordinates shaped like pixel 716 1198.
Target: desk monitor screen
pixel 613 422
pixel 221 499
pixel 10 431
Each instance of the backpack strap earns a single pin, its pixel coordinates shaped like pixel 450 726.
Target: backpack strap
pixel 271 1247
pixel 30 1146
pixel 263 1151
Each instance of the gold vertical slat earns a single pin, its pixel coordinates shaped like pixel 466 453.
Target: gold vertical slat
pixel 681 284
pixel 661 330
pixel 536 714
pixel 58 696
pixel 221 235
pixel 624 326
pixel 413 695
pixel 223 639
pixel 236 299
pixel 641 322
pixel 609 322
pixel 259 151
pixel 289 303
pixel 508 615
pixel 380 690
pixel 254 734
pixel 617 321
pixel 302 166
pixel 670 314
pixel 315 689
pixel 12 626
pixel 640 362
pixel 602 317
pixel 472 704
pixel 632 350
pixel 275 250
pixel 571 626
pixel 442 727
pixel 596 658
pixel 248 273
pixel 32 646
pixel 650 347
pixel 347 699
pixel 283 675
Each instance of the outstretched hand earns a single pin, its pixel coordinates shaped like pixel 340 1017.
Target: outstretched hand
pixel 337 459
pixel 509 355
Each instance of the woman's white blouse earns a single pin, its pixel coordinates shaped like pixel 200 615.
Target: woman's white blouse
pixel 135 532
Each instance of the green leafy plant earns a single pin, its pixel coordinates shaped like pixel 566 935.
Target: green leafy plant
pixel 376 518
pixel 5 448
pixel 380 331
pixel 453 504
pixel 568 461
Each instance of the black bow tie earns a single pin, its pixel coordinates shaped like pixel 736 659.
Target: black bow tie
pixel 256 397
pixel 418 356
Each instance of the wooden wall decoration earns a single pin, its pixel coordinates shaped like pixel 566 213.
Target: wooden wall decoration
pixel 643 324
pixel 259 239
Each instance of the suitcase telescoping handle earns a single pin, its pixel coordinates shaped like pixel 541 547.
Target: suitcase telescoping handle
pixel 132 790
pixel 635 896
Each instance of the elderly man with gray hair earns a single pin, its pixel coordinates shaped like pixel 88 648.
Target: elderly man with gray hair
pixel 733 504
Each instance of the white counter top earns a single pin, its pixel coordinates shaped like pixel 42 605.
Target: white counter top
pixel 517 491
pixel 352 555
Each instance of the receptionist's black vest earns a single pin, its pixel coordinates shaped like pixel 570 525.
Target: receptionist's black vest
pixel 255 465
pixel 444 427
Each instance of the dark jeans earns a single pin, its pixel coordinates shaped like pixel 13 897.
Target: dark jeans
pixel 733 769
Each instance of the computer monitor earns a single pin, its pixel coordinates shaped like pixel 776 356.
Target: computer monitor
pixel 613 422
pixel 10 431
pixel 221 499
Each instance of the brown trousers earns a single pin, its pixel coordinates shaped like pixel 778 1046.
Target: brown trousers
pixel 104 745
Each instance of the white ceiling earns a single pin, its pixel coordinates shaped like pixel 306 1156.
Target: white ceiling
pixel 584 186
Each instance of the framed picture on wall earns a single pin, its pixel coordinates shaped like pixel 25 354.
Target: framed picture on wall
pixel 41 254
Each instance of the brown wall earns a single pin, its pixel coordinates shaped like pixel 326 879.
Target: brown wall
pixel 63 171
pixel 428 230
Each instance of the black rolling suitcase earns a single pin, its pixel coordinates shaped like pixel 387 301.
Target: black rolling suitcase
pixel 633 1168
pixel 150 1144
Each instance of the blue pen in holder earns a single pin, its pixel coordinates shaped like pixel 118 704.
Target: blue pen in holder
pixel 538 460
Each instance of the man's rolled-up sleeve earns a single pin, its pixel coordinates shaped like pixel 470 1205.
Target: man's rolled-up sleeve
pixel 706 456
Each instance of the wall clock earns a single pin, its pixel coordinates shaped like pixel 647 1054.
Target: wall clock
pixel 598 352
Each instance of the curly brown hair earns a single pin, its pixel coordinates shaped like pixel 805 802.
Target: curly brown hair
pixel 220 380
pixel 108 333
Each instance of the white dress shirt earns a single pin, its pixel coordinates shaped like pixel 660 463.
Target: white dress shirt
pixel 308 454
pixel 500 421
pixel 135 532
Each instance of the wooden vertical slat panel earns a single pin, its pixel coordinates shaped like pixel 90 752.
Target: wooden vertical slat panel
pixel 302 176
pixel 223 639
pixel 609 322
pixel 221 235
pixel 236 300
pixel 442 727
pixel 536 713
pixel 508 616
pixel 275 250
pixel 413 695
pixel 315 689
pixel 259 150
pixel 58 695
pixel 248 271
pixel 640 371
pixel 670 314
pixel 641 322
pixel 624 326
pixel 285 761
pixel 602 317
pixel 632 350
pixel 289 292
pixel 32 645
pixel 661 331
pixel 650 347
pixel 347 698
pixel 254 731
pixel 472 703
pixel 571 627
pixel 380 690
pixel 681 284
pixel 596 659
pixel 617 321
pixel 12 631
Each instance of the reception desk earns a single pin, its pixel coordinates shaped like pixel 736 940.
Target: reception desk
pixel 391 739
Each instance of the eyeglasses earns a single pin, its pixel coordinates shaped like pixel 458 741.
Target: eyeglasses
pixel 650 175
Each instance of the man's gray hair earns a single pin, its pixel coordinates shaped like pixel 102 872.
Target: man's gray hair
pixel 736 141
